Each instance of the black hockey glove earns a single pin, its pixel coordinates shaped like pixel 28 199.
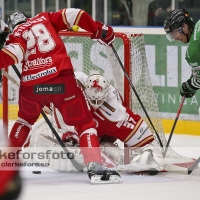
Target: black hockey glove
pixel 187 89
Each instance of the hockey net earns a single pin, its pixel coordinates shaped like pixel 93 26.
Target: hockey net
pixel 88 56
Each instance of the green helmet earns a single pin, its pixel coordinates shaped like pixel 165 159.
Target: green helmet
pixel 176 19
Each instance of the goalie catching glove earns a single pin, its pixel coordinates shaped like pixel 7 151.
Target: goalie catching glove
pixel 187 89
pixel 104 34
pixel 148 158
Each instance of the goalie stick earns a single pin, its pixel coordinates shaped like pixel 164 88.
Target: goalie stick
pixel 174 125
pixel 136 94
pixel 70 156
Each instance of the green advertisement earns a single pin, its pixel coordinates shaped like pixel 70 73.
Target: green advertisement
pixel 168 69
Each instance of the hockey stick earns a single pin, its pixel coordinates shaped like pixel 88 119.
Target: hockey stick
pixel 174 125
pixel 70 155
pixel 182 170
pixel 9 77
pixel 190 169
pixel 136 94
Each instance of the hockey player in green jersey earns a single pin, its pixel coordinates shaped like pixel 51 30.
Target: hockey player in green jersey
pixel 180 26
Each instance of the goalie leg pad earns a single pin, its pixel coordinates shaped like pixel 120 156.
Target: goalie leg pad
pixel 54 155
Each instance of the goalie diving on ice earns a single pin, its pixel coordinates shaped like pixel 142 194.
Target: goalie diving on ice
pixel 113 121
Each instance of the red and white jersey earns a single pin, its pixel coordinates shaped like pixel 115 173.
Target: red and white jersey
pixel 37 45
pixel 114 119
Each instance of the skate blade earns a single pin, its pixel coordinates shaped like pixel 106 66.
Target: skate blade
pixel 96 179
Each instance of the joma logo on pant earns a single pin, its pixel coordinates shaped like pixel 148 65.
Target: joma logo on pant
pixel 49 89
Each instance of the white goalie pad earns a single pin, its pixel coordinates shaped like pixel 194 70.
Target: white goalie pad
pixel 53 154
pixel 48 150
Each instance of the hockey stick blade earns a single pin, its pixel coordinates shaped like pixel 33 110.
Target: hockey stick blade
pixel 195 164
pixel 177 169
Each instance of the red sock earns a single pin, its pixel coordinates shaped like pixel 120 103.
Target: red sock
pixel 90 148
pixel 18 134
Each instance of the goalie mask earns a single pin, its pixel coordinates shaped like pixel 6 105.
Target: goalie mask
pixel 96 90
pixel 174 22
pixel 15 19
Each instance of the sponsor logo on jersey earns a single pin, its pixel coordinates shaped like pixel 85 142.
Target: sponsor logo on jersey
pixel 41 74
pixel 69 98
pixel 109 106
pixel 142 132
pixel 49 89
pixel 105 111
pixel 37 63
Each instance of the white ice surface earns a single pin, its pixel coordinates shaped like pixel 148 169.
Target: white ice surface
pixel 52 185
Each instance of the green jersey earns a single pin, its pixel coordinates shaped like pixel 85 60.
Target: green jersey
pixel 193 55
